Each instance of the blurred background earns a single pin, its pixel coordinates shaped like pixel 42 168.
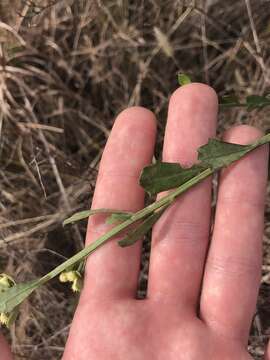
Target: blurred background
pixel 67 68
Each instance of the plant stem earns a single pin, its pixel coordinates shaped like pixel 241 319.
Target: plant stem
pixel 164 201
pixel 263 140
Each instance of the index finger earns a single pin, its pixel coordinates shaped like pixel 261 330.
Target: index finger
pixel 114 270
pixel 181 235
pixel 4 349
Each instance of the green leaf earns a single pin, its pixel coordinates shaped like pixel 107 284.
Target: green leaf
pixel 142 229
pixel 217 153
pixel 118 217
pixel 163 176
pixel 13 316
pixel 229 101
pixel 252 102
pixel 12 297
pixel 256 101
pixel 183 79
pixel 86 213
pixel 15 295
pixel 77 217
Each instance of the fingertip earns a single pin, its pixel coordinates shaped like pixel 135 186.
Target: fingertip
pixel 137 116
pixel 195 93
pixel 246 134
pixel 242 134
pixel 5 349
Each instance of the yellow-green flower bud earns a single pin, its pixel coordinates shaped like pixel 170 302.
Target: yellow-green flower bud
pixel 6 282
pixel 4 319
pixel 77 285
pixel 69 276
pixel 8 319
pixel 72 275
pixel 63 277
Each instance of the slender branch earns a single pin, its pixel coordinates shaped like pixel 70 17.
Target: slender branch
pixel 166 200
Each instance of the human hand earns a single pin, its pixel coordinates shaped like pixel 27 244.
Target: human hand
pixel 200 302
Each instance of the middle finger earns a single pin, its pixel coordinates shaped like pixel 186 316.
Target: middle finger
pixel 180 237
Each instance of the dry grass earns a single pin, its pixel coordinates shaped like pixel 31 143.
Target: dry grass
pixel 66 69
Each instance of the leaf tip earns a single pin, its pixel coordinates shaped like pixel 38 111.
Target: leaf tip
pixel 65 222
pixel 183 79
pixel 122 243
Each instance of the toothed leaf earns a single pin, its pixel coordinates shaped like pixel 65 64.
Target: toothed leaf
pixel 218 153
pixel 163 176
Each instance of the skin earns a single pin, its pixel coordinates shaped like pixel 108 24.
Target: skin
pixel 202 289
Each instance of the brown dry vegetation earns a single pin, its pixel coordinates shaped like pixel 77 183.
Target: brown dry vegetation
pixel 66 69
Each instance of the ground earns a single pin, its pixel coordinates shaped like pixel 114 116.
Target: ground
pixel 67 69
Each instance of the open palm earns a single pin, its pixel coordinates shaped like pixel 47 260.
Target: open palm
pixel 202 292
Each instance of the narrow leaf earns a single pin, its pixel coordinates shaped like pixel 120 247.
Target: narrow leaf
pixel 141 230
pixel 164 176
pixel 183 79
pixel 13 316
pixel 118 217
pixel 86 213
pixel 229 101
pixel 15 295
pixel 256 101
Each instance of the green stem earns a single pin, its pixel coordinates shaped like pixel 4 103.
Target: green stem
pixel 263 140
pixel 166 200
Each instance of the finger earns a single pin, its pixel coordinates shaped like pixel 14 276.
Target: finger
pixel 267 352
pixel 180 237
pixel 113 270
pixel 4 349
pixel 233 267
